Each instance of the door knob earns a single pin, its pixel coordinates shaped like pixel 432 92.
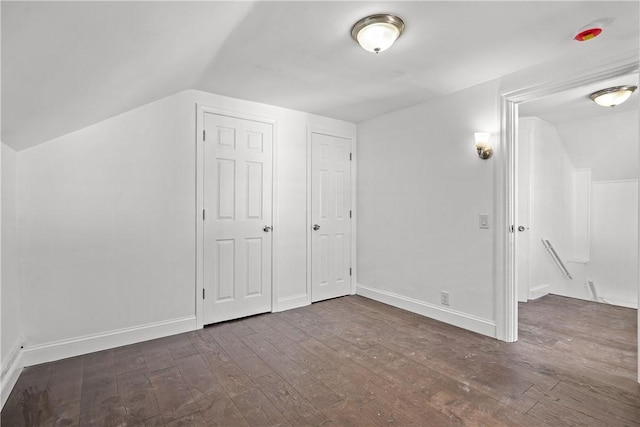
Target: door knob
pixel 521 228
pixel 267 229
pixel 316 227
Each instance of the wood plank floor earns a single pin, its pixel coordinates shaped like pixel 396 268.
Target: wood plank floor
pixel 351 362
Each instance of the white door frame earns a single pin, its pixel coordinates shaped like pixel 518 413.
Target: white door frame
pixel 505 256
pixel 200 111
pixel 345 135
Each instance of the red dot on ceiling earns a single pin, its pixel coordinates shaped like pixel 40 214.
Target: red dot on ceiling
pixel 589 34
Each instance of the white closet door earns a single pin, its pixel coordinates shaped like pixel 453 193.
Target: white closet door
pixel 237 224
pixel 330 216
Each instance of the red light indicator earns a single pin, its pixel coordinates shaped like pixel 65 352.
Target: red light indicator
pixel 589 34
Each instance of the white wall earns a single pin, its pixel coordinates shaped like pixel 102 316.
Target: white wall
pixel 614 248
pixel 106 220
pixel 107 224
pixel 608 145
pixel 421 187
pixel 11 326
pixel 581 215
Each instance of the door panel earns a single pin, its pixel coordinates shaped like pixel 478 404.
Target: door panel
pixel 237 203
pixel 225 261
pixel 254 263
pixel 330 214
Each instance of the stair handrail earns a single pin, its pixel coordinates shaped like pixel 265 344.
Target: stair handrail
pixel 547 244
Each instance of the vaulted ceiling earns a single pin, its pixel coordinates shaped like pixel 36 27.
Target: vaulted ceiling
pixel 67 65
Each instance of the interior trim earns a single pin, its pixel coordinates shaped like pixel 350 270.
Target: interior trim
pixel 446 315
pixel 56 350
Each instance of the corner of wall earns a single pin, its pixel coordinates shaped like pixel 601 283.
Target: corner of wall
pixel 12 339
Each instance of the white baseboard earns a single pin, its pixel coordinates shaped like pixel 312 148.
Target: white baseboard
pixel 49 352
pixel 11 369
pixel 539 291
pixel 626 304
pixel 291 302
pixel 446 315
pixel 604 300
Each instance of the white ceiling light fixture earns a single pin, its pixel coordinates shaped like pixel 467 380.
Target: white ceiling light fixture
pixel 612 96
pixel 377 33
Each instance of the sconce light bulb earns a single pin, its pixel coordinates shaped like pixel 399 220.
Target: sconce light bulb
pixel 482 138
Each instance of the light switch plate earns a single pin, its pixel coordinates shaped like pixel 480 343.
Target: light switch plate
pixel 484 220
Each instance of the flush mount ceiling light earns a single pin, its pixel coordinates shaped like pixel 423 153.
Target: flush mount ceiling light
pixel 612 96
pixel 376 33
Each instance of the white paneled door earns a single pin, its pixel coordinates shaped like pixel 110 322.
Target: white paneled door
pixel 237 217
pixel 330 216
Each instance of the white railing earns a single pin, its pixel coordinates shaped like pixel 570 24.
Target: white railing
pixel 547 244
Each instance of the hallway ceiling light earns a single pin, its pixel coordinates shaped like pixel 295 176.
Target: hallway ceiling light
pixel 612 96
pixel 377 33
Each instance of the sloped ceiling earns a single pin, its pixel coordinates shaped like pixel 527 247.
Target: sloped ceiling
pixel 575 104
pixel 604 140
pixel 66 65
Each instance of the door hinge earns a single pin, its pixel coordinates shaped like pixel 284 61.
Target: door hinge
pixel 349 214
pixel 350 156
pixel 203 214
pixel 204 135
pixel 202 293
pixel 349 271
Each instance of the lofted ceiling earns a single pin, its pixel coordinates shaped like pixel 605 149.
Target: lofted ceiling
pixel 67 65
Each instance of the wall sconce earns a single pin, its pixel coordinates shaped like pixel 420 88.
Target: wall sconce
pixel 376 33
pixel 482 145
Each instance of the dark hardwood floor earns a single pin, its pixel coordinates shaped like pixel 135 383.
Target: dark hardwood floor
pixel 352 362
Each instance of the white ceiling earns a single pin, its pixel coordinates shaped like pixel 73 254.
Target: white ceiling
pixel 66 65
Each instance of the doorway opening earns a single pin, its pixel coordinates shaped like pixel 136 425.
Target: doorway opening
pixel 576 234
pixel 576 212
pixel 506 197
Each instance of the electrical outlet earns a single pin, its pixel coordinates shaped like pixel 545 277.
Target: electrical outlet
pixel 444 298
